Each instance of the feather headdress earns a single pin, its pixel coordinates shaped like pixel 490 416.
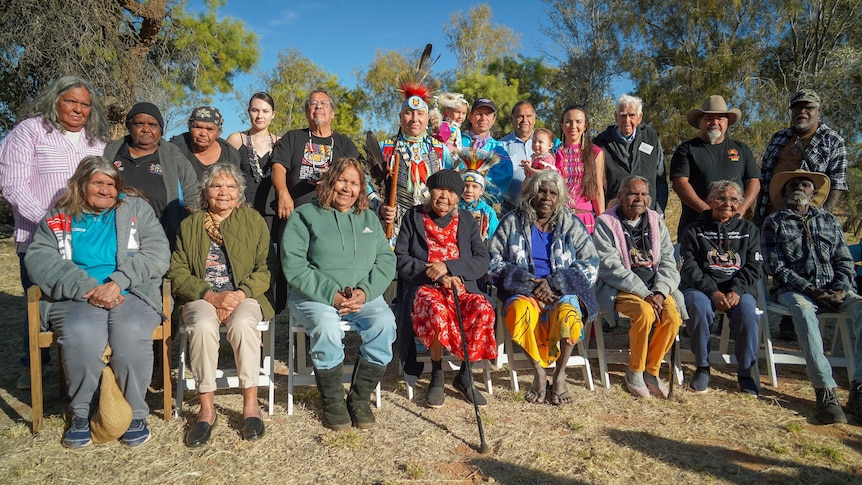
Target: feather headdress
pixel 416 92
pixel 476 163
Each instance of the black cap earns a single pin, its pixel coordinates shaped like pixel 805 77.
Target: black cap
pixel 446 179
pixel 146 108
pixel 484 102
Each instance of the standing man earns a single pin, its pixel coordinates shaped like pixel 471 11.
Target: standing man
pixel 519 146
pixel 711 157
pixel 631 149
pixel 301 156
pixel 808 144
pixel 812 271
pixel 483 114
pixel 299 159
pixel 420 156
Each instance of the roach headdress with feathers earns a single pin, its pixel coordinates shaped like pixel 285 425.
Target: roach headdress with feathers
pixel 477 163
pixel 416 92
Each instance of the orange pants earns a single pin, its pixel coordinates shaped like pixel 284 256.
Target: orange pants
pixel 646 353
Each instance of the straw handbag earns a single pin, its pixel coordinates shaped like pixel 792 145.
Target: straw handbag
pixel 114 415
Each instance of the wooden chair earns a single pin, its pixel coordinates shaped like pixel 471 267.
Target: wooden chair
pixel 44 339
pixel 227 378
pixel 299 372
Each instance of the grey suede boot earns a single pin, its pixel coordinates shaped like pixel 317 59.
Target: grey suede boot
pixel 335 416
pixel 366 376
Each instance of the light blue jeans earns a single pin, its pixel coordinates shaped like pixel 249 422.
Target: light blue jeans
pixel 808 332
pixel 375 321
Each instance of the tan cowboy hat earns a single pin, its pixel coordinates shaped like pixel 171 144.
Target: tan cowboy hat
pixel 821 186
pixel 713 105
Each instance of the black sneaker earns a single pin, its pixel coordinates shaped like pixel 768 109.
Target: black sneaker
pixel 854 404
pixel 828 411
pixel 700 380
pixel 786 330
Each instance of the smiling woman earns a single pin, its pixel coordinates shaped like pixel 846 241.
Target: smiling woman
pixel 338 263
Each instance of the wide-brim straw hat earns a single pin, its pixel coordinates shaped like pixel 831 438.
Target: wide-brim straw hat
pixel 776 185
pixel 714 104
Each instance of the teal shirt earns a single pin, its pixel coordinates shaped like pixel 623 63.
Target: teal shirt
pixel 324 250
pixel 94 239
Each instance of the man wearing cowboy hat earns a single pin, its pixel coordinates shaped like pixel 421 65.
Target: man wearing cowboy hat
pixel 812 270
pixel 710 157
pixel 807 144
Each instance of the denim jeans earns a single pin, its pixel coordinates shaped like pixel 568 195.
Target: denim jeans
pixel 375 321
pixel 743 324
pixel 811 341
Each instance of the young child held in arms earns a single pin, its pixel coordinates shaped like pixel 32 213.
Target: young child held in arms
pixel 447 128
pixel 471 200
pixel 543 159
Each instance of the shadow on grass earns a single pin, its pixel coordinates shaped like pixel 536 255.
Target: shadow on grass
pixel 727 465
pixel 503 472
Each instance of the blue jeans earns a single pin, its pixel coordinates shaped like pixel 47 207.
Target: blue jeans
pixel 84 331
pixel 743 324
pixel 808 332
pixel 375 321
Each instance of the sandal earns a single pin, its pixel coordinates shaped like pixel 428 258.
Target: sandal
pixel 532 396
pixel 559 399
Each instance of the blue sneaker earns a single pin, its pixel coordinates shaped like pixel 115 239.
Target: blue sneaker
pixel 78 435
pixel 137 434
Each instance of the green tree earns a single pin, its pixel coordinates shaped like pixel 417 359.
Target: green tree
pixel 292 79
pixel 128 49
pixel 476 40
pixel 532 75
pixel 503 92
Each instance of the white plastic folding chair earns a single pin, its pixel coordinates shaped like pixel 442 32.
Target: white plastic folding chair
pixel 226 378
pixel 300 372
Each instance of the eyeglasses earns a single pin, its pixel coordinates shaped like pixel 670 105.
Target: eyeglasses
pixel 722 200
pixel 314 103
pixel 804 109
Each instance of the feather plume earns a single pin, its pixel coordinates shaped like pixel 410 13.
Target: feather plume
pixel 376 164
pixel 478 160
pixel 413 84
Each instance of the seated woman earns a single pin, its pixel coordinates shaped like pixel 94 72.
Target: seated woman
pixel 544 265
pixel 338 262
pixel 439 248
pixel 638 278
pixel 219 273
pixel 100 254
pixel 158 169
pixel 721 265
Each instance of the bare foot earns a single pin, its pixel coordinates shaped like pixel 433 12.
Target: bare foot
pixel 560 391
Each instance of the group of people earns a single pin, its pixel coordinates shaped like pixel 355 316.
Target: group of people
pixel 563 233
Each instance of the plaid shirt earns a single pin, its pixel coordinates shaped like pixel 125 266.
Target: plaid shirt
pixel 807 251
pixel 826 152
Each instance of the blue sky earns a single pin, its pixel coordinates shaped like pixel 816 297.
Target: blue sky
pixel 342 37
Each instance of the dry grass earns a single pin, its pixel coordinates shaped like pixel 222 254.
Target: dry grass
pixel 605 437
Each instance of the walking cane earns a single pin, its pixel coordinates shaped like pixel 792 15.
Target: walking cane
pixel 483 446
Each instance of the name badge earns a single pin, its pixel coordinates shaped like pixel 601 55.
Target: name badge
pixel 646 148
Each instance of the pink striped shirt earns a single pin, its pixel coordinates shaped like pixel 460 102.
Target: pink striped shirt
pixel 34 168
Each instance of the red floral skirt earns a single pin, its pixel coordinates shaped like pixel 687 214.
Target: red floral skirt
pixel 434 314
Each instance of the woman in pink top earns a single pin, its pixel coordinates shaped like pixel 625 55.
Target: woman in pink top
pixel 582 166
pixel 65 124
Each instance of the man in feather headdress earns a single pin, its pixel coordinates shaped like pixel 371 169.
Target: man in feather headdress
pixel 419 155
pixel 483 114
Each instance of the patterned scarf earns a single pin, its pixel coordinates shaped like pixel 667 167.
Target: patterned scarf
pixel 479 142
pixel 213 227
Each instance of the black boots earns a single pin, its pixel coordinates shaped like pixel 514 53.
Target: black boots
pixel 335 416
pixel 366 376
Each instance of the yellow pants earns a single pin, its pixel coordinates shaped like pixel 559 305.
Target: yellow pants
pixel 646 353
pixel 537 328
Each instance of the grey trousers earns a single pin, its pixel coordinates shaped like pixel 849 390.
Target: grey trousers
pixel 85 330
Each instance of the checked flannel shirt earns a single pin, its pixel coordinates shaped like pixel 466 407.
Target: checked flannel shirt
pixel 827 154
pixel 807 251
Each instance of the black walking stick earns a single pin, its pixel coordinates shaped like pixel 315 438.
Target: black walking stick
pixel 483 447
